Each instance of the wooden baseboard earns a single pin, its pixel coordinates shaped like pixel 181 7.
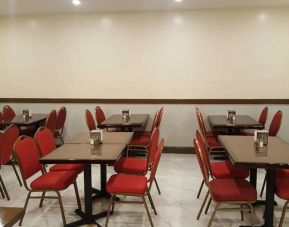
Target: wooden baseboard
pixel 179 150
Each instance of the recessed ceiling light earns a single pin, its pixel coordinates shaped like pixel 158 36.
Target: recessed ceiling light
pixel 76 2
pixel 178 0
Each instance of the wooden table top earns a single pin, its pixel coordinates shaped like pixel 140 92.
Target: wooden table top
pixel 18 120
pixel 108 137
pixel 136 120
pixel 242 152
pixel 85 153
pixel 242 122
pixel 10 215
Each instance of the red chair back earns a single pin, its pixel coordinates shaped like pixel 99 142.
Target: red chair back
pixel 154 124
pixel 45 141
pixel 275 124
pixel 2 141
pixel 60 118
pixel 99 115
pixel 51 121
pixel 160 116
pixel 263 116
pixel 156 163
pixel 26 152
pixel 154 145
pixel 203 149
pixel 1 116
pixel 8 113
pixel 89 120
pixel 10 135
pixel 201 121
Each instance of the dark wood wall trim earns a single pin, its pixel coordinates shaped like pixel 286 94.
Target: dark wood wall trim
pixel 145 101
pixel 179 150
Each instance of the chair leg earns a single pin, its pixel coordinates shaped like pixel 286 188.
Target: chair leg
pixel 147 209
pixel 60 137
pixel 109 208
pixel 61 207
pixel 200 190
pixel 25 207
pixel 208 205
pixel 151 202
pixel 213 215
pixel 242 213
pixel 263 185
pixel 202 207
pixel 16 173
pixel 4 188
pixel 42 198
pixel 283 213
pixel 1 191
pixel 77 195
pixel 252 214
pixel 157 185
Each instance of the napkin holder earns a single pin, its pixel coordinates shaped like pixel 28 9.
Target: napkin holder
pixel 231 116
pixel 125 115
pixel 25 114
pixel 261 142
pixel 96 137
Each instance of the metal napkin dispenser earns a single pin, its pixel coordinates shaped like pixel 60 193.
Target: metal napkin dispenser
pixel 96 136
pixel 231 116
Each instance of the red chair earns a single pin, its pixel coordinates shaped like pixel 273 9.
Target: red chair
pixel 50 122
pixel 160 116
pixel 141 140
pixel 27 155
pixel 11 134
pixel 262 120
pixel 156 123
pixel 1 116
pixel 46 144
pixel 211 140
pixel 273 131
pixel 218 170
pixel 139 166
pixel 133 185
pixel 3 189
pixel 229 191
pixel 282 191
pixel 99 115
pixel 89 120
pixel 60 120
pixel 8 113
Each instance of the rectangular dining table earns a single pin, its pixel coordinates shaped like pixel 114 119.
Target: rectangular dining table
pixel 116 121
pixel 220 122
pixel 87 154
pixel 242 153
pixel 10 215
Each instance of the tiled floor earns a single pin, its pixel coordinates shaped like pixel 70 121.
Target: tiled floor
pixel 179 179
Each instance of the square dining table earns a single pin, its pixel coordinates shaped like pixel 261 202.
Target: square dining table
pixel 18 120
pixel 242 153
pixel 84 153
pixel 116 121
pixel 220 122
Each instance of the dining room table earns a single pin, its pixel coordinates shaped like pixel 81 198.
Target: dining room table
pixel 80 151
pixel 243 153
pixel 9 216
pixel 117 121
pixel 35 121
pixel 242 122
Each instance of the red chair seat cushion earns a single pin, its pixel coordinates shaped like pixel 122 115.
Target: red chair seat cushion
pixel 225 190
pixel 210 134
pixel 282 173
pixel 131 165
pixel 140 141
pixel 78 168
pixel 282 187
pixel 226 169
pixel 57 180
pixel 213 141
pixel 126 184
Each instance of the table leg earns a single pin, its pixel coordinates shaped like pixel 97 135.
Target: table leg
pixel 253 177
pixel 102 193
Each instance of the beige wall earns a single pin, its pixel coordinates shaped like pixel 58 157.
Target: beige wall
pixel 191 54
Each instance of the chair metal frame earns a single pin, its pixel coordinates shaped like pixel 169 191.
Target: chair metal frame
pixel 42 197
pixel 147 193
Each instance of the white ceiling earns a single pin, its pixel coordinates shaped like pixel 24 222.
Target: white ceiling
pixel 15 7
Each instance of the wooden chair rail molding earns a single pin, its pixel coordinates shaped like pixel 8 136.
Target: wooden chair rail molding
pixel 145 101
